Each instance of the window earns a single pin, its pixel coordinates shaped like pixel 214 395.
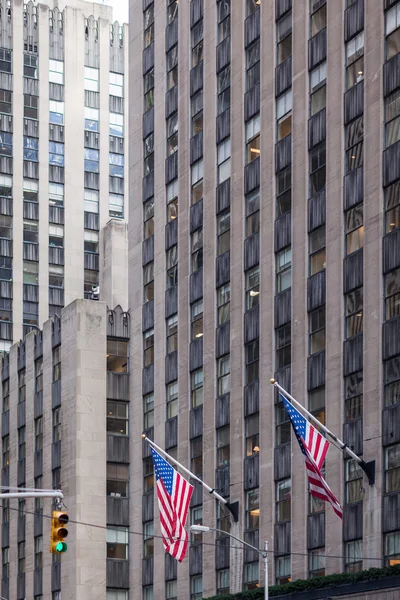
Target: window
pixel 56 195
pixel 252 5
pixel 252 357
pixel 353 385
pixel 5 60
pixel 354 312
pixel 284 269
pixel 391 543
pixel 148 475
pixel 223 446
pixel 117 539
pixel 196 380
pixel 284 192
pixel 392 294
pixel 57 363
pixel 354 229
pixel 252 287
pixel 196 452
pixel 5 227
pixel 392 118
pixel 91 79
pixel 31 272
pixel 172 334
pixel 318 20
pixel 172 201
pixel 224 29
pixel 6 562
pixel 253 65
pixel 117 356
pixel 6 140
pixel 223 232
pixel 317 403
pixel 56 71
pixel 172 400
pixel 197 171
pixel 31 66
pixel 196 587
pixel 56 425
pixel 223 90
pixel 31 232
pixel 251 576
pixel 116 206
pixel 223 375
pixel 253 146
pixel 5 268
pixel 21 386
pixel 317 169
pixel 148 347
pixel 38 552
pixel 148 218
pixel 223 581
pixel 116 165
pixel 148 151
pixel 148 592
pixel 197 51
pixel 197 250
pixel 392 31
pixel 392 469
pixel 5 102
pixel 148 411
pixel 148 282
pixel 172 67
pixel 197 191
pixel 116 594
pixel 197 319
pixel 252 508
pixel 284 38
pixel 116 85
pixel 56 112
pixel 56 238
pixel 317 331
pixel 284 115
pixel 92 117
pixel 172 13
pixel 56 479
pixel 353 556
pixel 149 33
pixel 318 100
pixel 317 249
pixel 31 106
pixel 91 160
pixel 392 381
pixel 117 417
pixel 354 480
pixel 148 85
pixel 392 199
pixel 148 539
pixel 355 60
pixel 6 451
pixel 317 77
pixel 117 121
pixel 21 443
pixel 56 154
pixel 21 557
pixel 38 434
pixel 283 346
pixel 223 303
pixel 283 500
pixel 172 134
pixel 223 519
pixel 354 144
pixel 172 266
pixel 6 395
pixel 224 160
pixel 252 202
pixel 282 569
pixel 252 428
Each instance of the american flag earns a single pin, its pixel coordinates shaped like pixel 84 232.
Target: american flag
pixel 314 447
pixel 174 494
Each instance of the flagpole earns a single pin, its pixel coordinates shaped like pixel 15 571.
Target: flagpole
pixel 368 468
pixel 233 508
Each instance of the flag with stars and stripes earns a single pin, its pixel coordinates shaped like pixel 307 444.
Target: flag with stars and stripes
pixel 174 494
pixel 315 448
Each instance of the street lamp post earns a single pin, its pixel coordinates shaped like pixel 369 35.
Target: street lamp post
pixel 264 554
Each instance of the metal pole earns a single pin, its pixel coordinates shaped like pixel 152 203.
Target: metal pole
pixel 185 470
pixel 266 571
pixel 312 418
pixel 55 494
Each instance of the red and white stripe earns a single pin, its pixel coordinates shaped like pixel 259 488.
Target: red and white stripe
pixel 317 445
pixel 173 514
pixel 318 486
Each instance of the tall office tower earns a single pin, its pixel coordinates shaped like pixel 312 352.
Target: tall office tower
pixel 63 84
pixel 266 239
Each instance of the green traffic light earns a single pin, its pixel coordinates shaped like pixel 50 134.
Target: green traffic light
pixel 61 547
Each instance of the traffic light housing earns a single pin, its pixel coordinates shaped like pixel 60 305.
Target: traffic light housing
pixel 59 531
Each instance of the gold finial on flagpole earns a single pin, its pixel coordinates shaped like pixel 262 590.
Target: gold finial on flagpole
pixel 143 436
pixel 272 381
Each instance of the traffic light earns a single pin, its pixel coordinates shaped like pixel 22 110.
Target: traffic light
pixel 59 532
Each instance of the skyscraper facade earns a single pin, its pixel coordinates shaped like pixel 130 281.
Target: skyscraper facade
pixel 63 87
pixel 265 237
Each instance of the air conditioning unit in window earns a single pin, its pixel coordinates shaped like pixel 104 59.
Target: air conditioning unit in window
pixel 95 292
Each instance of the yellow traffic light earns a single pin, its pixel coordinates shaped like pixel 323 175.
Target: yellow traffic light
pixel 59 531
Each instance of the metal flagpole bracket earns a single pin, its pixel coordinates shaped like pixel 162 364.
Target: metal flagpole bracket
pixel 233 508
pixel 369 470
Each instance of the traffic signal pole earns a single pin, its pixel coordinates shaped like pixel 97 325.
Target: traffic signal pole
pixel 16 492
